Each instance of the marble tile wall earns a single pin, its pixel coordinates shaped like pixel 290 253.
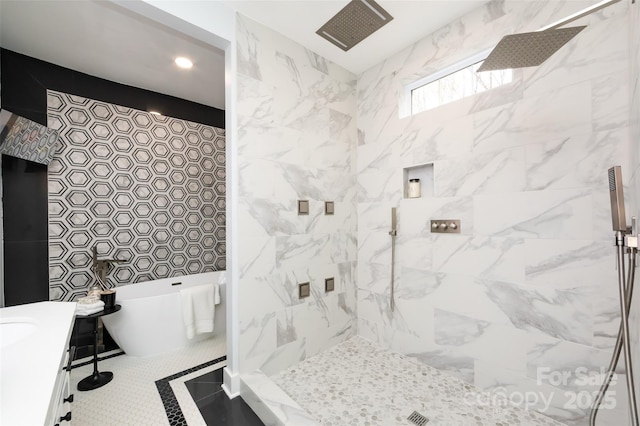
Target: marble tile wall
pixel 530 282
pixel 296 141
pixel 634 117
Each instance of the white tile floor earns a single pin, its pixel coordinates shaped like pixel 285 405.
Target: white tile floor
pixel 358 383
pixel 132 398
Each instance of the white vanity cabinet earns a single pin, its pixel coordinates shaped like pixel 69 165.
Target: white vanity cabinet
pixel 34 383
pixel 62 398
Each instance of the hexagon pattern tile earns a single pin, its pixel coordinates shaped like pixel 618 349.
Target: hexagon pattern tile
pixel 146 188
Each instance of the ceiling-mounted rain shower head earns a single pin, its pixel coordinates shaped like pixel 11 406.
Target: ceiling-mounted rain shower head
pixel 355 22
pixel 528 49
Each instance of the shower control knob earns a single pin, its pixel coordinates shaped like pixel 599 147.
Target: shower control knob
pixel 445 226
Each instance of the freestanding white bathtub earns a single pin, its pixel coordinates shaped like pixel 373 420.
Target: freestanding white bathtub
pixel 150 321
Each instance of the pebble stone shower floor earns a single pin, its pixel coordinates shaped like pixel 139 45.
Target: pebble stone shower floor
pixel 358 383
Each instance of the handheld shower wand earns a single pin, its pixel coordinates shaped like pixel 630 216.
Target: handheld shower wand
pixel 393 233
pixel 625 239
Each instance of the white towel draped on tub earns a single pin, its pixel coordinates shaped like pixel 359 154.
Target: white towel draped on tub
pixel 198 306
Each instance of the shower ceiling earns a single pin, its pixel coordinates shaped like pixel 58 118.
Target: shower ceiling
pixel 355 22
pixel 300 19
pixel 100 38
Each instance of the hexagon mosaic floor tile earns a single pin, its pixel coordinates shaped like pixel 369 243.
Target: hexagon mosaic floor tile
pixel 145 188
pixel 134 396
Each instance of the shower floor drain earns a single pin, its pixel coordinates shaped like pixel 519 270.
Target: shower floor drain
pixel 418 419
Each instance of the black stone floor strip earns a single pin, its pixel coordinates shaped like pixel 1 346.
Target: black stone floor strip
pixel 214 405
pixel 169 400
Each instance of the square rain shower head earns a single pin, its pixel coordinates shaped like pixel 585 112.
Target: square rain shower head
pixel 355 22
pixel 528 49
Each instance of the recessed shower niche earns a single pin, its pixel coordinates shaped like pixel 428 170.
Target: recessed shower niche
pixel 425 184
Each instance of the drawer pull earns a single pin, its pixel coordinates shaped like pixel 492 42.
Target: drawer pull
pixel 69 399
pixel 66 418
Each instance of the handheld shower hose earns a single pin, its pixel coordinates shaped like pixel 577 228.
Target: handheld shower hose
pixel 621 340
pixel 625 239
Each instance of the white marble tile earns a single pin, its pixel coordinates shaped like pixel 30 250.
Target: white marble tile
pixel 324 322
pixel 568 365
pixel 265 294
pixel 590 155
pixel 468 337
pixel 585 266
pixel 568 406
pixel 247 48
pixel 268 141
pixel 493 258
pixel 425 139
pixel 501 384
pixel 283 357
pixel 606 312
pixel 374 277
pixel 414 251
pixel 258 336
pixel 559 114
pixel 599 49
pixel 257 100
pixel 610 101
pixel 562 314
pixel 345 218
pixel 375 246
pixel 564 214
pixel 273 406
pixel 377 181
pixel 296 250
pixel 417 283
pixel 374 316
pixel 343 247
pixel 501 171
pixel 467 295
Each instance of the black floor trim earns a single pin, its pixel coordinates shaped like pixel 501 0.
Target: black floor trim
pixel 169 400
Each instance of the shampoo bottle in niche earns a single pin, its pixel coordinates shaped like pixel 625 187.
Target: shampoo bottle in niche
pixel 414 188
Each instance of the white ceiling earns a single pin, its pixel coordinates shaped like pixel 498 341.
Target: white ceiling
pixel 107 41
pixel 102 39
pixel 300 19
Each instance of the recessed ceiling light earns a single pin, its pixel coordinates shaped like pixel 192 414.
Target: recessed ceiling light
pixel 183 62
pixel 154 113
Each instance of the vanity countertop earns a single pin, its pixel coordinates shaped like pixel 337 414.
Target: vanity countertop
pixel 33 338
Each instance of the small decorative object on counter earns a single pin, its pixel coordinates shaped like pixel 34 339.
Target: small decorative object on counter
pixel 94 292
pixel 109 298
pixel 414 188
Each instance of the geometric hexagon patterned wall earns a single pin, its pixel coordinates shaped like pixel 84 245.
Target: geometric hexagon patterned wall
pixel 144 188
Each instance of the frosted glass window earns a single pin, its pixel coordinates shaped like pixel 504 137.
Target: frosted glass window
pixel 457 85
